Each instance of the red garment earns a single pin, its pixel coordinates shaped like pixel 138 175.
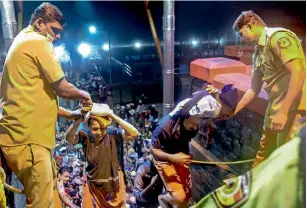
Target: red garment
pixel 176 178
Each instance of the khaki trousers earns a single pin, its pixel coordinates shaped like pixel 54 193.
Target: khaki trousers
pixel 271 141
pixel 32 165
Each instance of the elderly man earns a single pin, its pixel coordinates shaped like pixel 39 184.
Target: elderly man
pixel 170 140
pixel 278 61
pixel 105 177
pixel 32 79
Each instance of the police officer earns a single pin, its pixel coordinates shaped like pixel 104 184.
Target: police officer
pixel 278 60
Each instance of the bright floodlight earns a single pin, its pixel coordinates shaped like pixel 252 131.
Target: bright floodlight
pixel 62 54
pixel 194 42
pixel 105 47
pixel 221 41
pixel 59 51
pixel 137 45
pixel 92 29
pixel 84 49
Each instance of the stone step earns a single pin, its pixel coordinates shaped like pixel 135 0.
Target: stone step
pixel 238 50
pixel 221 71
pixel 242 52
pixel 243 82
pixel 206 69
pixel 249 70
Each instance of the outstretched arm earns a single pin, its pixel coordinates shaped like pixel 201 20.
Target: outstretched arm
pixel 71 134
pixel 130 131
pixel 69 115
pixel 251 93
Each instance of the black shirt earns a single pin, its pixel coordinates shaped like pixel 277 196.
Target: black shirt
pixel 171 137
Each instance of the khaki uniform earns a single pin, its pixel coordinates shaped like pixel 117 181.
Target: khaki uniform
pixel 30 108
pixel 276 182
pixel 277 47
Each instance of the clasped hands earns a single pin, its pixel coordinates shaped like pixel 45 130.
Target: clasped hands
pixel 95 109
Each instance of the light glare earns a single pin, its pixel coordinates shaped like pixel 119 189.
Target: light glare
pixel 59 51
pixel 137 45
pixel 105 47
pixel 92 29
pixel 194 42
pixel 84 49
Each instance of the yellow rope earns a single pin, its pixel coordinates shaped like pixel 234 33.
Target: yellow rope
pixel 222 163
pixel 3 186
pixel 7 186
pixel 13 189
pixel 2 196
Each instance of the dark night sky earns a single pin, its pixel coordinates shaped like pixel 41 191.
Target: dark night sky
pixel 128 22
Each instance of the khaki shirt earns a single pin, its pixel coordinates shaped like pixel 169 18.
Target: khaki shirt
pixel 277 47
pixel 29 102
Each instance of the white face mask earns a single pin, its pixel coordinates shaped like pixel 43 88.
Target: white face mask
pixel 50 38
pixel 207 107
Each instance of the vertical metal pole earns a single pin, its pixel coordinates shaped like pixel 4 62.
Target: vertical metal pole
pixel 19 17
pixel 20 14
pixel 9 24
pixel 168 55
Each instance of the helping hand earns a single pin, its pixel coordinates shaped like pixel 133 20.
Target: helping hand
pixel 76 114
pixel 278 122
pixel 86 106
pixel 212 90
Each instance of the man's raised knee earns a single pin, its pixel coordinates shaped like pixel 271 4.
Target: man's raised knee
pixel 179 197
